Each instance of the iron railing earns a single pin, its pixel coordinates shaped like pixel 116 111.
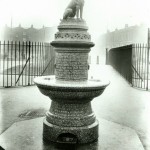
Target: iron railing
pixel 20 62
pixel 140 66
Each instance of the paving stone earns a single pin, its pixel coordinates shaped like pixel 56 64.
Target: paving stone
pixel 27 135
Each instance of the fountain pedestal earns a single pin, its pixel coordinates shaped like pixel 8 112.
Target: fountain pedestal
pixel 70 90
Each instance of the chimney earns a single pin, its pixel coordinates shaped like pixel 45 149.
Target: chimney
pixel 126 26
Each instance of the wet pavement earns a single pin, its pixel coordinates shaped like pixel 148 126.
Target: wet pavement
pixel 18 103
pixel 120 103
pixel 123 104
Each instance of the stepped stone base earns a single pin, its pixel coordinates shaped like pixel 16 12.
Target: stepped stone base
pixel 90 133
pixel 27 135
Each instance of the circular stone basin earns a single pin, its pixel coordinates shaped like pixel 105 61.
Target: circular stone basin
pixel 70 91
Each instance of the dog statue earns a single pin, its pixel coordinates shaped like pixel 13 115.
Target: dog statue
pixel 74 8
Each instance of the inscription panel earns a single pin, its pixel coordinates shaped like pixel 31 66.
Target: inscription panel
pixel 72 66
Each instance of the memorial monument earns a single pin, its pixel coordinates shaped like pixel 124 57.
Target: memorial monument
pixel 70 114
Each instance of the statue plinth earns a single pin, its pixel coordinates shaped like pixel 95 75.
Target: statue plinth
pixel 72 45
pixel 70 90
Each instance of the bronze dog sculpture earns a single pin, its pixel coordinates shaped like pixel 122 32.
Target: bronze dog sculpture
pixel 73 9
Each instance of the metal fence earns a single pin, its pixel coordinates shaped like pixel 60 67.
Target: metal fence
pixel 20 62
pixel 140 66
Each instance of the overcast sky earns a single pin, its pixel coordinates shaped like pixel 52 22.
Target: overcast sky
pixel 99 14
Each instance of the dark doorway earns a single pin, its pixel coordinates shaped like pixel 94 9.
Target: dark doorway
pixel 121 59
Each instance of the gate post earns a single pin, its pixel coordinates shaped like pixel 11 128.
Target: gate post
pixel 148 42
pixel 107 56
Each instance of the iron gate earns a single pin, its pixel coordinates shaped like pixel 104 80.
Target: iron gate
pixel 140 65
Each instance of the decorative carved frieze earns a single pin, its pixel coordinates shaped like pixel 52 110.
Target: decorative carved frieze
pixel 72 36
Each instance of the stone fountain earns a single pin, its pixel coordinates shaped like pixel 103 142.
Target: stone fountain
pixel 70 89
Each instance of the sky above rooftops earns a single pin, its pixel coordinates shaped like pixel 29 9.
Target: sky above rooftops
pixel 100 15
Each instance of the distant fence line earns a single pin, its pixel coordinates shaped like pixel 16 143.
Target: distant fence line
pixel 20 62
pixel 133 63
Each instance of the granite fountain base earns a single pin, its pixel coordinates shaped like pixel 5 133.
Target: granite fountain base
pixel 70 117
pixel 70 111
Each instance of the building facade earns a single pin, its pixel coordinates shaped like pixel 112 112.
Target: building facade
pixel 45 34
pixel 126 36
pixel 119 37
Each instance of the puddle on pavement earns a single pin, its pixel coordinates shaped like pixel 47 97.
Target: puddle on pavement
pixel 34 113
